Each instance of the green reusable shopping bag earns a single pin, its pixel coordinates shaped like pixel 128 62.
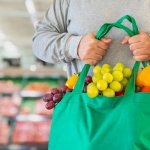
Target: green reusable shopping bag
pixel 102 123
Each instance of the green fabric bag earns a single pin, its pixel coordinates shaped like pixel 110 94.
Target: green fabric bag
pixel 102 123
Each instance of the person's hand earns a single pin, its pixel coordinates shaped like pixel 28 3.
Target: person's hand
pixel 139 45
pixel 91 50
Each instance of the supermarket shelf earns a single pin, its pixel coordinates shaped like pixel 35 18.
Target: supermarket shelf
pixel 31 118
pixel 24 147
pixel 23 78
pixel 31 94
pixel 15 71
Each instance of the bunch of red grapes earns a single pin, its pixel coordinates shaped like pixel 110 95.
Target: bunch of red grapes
pixel 53 97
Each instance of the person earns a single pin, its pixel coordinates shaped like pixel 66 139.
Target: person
pixel 67 33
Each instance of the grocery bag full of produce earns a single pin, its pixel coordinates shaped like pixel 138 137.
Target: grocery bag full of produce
pixel 103 119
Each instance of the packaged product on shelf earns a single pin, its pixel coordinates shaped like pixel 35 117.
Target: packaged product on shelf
pixel 43 129
pixel 9 87
pixel 9 105
pixel 38 87
pixel 31 132
pixel 4 132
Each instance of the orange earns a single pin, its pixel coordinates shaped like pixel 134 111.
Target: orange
pixel 71 82
pixel 143 77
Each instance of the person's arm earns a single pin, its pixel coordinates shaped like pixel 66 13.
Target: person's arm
pixel 51 42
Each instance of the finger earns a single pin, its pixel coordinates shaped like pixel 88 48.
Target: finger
pixel 95 57
pixel 141 58
pixel 134 39
pixel 102 45
pixel 101 52
pixel 94 34
pixel 139 52
pixel 106 40
pixel 125 40
pixel 91 62
pixel 135 46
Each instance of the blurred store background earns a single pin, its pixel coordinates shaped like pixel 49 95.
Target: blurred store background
pixel 24 121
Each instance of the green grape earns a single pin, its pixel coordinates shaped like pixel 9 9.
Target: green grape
pixel 102 85
pixel 91 85
pixel 108 92
pixel 97 77
pixel 96 69
pixel 92 91
pixel 106 66
pixel 116 86
pixel 108 77
pixel 105 70
pixel 117 75
pixel 118 67
pixel 124 82
pixel 127 72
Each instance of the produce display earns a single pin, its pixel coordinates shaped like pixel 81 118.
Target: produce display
pixel 4 132
pixel 9 87
pixel 28 122
pixel 9 105
pixel 31 132
pixel 38 87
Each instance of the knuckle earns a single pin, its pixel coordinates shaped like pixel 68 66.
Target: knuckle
pixel 143 36
pixel 104 46
pixel 135 53
pixel 92 41
pixel 130 40
pixel 94 62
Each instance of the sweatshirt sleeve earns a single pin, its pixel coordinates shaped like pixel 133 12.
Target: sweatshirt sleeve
pixel 51 42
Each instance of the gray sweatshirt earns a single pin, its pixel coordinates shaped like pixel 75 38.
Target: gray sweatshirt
pixel 58 35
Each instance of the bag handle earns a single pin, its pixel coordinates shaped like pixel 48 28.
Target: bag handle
pixel 105 28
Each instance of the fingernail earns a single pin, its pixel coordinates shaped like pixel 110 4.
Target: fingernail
pixel 123 42
pixel 131 47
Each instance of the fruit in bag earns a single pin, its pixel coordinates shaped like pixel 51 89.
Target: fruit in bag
pixel 145 89
pixel 143 77
pixel 71 82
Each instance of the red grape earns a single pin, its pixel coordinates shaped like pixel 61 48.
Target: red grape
pixel 57 97
pixel 88 79
pixel 50 105
pixel 54 91
pixel 64 89
pixel 69 90
pixel 47 97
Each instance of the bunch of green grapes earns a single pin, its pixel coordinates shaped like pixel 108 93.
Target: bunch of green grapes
pixel 109 81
